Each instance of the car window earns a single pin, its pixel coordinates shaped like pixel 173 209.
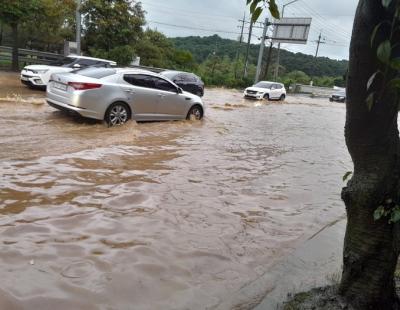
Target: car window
pixel 278 86
pixel 162 84
pixel 141 80
pixel 179 77
pixel 190 78
pixel 102 64
pixel 65 61
pixel 86 62
pixel 170 74
pixel 96 73
pixel 263 85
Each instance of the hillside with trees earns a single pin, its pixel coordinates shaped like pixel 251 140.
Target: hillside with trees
pixel 204 47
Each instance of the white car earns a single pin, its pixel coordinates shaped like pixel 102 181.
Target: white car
pixel 266 90
pixel 38 76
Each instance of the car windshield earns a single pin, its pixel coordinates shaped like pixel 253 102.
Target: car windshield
pixel 96 73
pixel 263 85
pixel 169 74
pixel 63 62
pixel 341 93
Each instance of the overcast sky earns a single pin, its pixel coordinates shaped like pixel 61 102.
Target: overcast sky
pixel 179 18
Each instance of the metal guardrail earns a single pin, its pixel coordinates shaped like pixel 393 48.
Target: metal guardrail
pixel 26 56
pixel 314 90
pixel 29 56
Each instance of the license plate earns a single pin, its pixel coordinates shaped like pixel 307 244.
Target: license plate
pixel 59 86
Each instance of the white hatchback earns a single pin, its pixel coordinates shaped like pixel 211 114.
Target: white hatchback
pixel 266 90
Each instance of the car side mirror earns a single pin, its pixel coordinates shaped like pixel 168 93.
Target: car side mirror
pixel 179 90
pixel 76 66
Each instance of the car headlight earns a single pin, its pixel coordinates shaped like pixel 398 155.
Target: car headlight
pixel 39 71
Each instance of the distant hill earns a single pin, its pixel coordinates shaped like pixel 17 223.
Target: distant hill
pixel 202 47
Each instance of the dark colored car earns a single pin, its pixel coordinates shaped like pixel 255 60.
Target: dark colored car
pixel 187 81
pixel 340 96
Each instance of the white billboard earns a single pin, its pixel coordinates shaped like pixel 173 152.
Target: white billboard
pixel 291 30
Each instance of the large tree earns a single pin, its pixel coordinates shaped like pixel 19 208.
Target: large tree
pixel 13 13
pixel 112 28
pixel 372 196
pixel 371 247
pixel 50 26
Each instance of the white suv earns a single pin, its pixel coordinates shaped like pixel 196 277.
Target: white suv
pixel 266 90
pixel 37 76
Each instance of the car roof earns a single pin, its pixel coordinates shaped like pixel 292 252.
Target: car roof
pixel 269 82
pixel 176 72
pixel 91 58
pixel 136 70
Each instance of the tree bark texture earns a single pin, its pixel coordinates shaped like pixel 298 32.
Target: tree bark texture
pixel 15 64
pixel 371 247
pixel 1 33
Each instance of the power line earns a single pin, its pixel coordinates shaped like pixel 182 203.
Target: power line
pixel 158 6
pixel 322 18
pixel 192 28
pixel 322 22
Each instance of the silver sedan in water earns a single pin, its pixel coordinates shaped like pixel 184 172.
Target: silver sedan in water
pixel 117 95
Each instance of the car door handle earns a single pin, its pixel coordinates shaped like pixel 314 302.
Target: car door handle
pixel 161 95
pixel 129 91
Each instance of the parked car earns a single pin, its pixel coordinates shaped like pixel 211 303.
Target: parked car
pixel 117 95
pixel 37 76
pixel 339 96
pixel 266 90
pixel 187 81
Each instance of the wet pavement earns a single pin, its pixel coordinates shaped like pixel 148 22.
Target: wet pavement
pixel 169 215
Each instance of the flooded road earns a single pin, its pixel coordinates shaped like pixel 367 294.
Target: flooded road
pixel 173 215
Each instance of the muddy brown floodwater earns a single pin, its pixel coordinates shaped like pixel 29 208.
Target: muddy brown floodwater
pixel 172 215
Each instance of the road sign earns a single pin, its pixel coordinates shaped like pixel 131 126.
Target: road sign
pixel 291 30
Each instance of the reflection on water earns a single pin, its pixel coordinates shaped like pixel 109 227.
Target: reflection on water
pixel 175 215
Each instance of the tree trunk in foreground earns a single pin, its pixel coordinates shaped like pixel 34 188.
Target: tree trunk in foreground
pixel 15 64
pixel 371 247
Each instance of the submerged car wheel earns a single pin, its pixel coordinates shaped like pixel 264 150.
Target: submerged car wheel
pixel 266 97
pixel 282 97
pixel 195 113
pixel 117 114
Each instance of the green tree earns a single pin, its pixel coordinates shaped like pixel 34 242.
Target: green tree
pixel 298 77
pixel 13 13
pixel 183 59
pixel 372 196
pixel 155 49
pixel 50 26
pixel 112 28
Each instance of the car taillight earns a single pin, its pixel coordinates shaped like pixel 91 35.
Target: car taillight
pixel 83 86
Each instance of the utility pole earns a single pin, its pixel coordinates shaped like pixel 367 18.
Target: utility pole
pixel 268 59
pixel 78 27
pixel 318 43
pixel 279 44
pixel 240 45
pixel 261 52
pixel 246 62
